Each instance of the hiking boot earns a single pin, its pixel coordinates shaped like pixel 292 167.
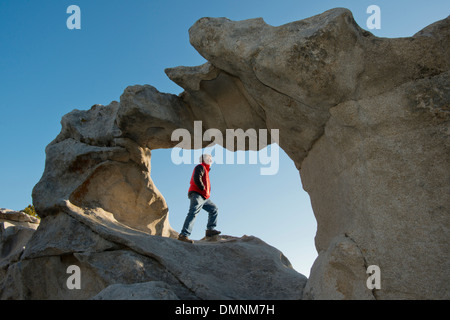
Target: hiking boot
pixel 184 238
pixel 211 233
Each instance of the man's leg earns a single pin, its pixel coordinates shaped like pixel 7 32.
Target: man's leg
pixel 213 212
pixel 196 205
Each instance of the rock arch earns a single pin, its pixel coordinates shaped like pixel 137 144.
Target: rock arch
pixel 365 120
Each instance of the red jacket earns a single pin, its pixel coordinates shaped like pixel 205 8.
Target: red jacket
pixel 200 180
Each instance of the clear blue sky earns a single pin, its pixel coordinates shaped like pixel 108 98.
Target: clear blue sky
pixel 47 70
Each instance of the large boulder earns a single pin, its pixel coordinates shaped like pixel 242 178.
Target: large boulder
pixel 16 229
pixel 93 164
pixel 114 260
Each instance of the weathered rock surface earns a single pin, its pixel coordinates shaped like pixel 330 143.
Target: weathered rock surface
pixel 365 120
pixel 93 165
pixel 18 217
pixel 114 258
pixel 16 228
pixel 153 290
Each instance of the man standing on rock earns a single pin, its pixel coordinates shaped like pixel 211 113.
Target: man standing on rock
pixel 199 193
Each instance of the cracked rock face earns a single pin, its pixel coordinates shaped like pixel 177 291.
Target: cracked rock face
pixel 115 259
pixel 365 120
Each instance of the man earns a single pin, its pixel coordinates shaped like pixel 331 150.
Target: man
pixel 199 193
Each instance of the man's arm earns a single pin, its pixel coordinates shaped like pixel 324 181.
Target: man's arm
pixel 199 171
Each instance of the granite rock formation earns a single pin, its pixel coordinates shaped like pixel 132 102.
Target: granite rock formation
pixel 116 260
pixel 365 119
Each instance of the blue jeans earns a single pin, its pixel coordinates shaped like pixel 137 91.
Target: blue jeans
pixel 197 203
